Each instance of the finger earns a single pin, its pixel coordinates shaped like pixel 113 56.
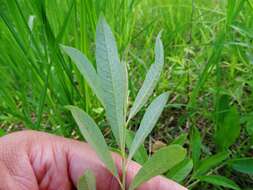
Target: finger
pixel 15 168
pixel 57 162
pixel 82 157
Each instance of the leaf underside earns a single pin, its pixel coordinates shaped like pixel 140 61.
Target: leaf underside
pixel 151 79
pixel 112 78
pixel 148 122
pixel 94 136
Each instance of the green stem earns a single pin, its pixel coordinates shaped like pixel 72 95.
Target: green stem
pixel 124 173
pixel 124 159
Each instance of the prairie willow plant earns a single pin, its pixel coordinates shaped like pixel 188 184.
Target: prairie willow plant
pixel 110 84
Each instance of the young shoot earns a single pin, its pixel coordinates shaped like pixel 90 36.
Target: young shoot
pixel 109 82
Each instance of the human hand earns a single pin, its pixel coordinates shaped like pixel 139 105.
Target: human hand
pixel 32 160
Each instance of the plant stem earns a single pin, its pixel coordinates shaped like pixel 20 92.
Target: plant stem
pixel 124 173
pixel 124 159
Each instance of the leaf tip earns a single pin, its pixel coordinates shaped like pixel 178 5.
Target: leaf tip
pixel 62 46
pixel 70 107
pixel 160 34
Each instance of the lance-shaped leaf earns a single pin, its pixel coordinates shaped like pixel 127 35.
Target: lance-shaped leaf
pixel 163 160
pixel 244 165
pixel 210 162
pixel 179 172
pixel 112 80
pixel 93 136
pixel 220 181
pixel 148 122
pixel 87 181
pixel 151 79
pixel 195 144
pixel 86 69
pixel 230 128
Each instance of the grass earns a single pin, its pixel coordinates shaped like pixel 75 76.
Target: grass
pixel 208 66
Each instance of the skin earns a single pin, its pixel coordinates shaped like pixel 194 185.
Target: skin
pixel 39 161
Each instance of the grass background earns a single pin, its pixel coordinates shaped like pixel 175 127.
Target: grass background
pixel 208 61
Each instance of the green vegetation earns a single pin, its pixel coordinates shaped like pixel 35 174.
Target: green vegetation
pixel 207 71
pixel 110 84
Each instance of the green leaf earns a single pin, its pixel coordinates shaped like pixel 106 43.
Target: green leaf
pixel 195 144
pixel 2 132
pixel 229 129
pixel 244 165
pixel 148 122
pixel 210 162
pixel 222 109
pixel 151 79
pixel 180 139
pixel 141 155
pixel 220 181
pixel 163 160
pixel 112 80
pixel 94 137
pixel 87 181
pixel 179 172
pixel 85 68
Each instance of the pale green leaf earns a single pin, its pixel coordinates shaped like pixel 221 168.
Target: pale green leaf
pixel 220 181
pixel 163 160
pixel 87 181
pixel 86 69
pixel 112 80
pixel 148 122
pixel 151 79
pixel 93 136
pixel 179 172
